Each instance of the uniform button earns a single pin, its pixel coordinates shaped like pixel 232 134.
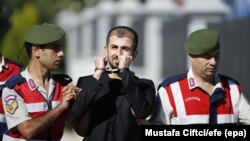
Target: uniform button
pixel 110 129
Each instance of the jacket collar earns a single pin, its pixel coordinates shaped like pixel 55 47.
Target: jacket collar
pixel 192 83
pixel 31 83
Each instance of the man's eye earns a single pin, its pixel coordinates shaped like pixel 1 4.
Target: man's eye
pixel 113 47
pixel 126 48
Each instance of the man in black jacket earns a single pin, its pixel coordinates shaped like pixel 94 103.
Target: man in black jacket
pixel 113 98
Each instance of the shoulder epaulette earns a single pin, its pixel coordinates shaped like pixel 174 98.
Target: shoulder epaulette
pixel 16 79
pixel 228 78
pixel 62 77
pixel 173 79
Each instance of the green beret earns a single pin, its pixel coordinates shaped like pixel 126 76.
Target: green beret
pixel 43 34
pixel 202 41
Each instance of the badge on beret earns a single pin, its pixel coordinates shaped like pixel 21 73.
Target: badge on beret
pixel 11 104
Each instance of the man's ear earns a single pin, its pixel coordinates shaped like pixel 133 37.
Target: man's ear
pixel 35 50
pixel 106 50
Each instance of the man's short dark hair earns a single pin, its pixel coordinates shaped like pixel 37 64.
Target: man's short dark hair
pixel 28 46
pixel 123 31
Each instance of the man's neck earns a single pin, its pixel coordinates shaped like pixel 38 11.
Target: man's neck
pixel 39 74
pixel 206 83
pixel 204 79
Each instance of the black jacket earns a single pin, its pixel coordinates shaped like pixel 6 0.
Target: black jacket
pixel 111 101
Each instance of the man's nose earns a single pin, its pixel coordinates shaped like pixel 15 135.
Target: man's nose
pixel 119 51
pixel 61 53
pixel 213 60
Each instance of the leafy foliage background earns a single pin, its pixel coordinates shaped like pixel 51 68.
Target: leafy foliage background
pixel 22 15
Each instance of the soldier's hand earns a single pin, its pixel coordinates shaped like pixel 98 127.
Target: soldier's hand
pixel 69 93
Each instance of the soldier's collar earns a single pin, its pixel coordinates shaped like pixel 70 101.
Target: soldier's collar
pixel 192 83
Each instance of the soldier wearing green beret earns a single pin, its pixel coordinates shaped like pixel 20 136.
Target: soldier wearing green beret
pixel 36 101
pixel 200 95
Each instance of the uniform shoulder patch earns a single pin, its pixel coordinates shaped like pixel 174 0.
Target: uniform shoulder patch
pixel 11 104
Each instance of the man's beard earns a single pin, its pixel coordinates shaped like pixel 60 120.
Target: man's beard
pixel 111 66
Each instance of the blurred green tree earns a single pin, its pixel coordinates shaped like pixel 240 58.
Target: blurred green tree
pixel 21 19
pixel 27 13
pixel 5 13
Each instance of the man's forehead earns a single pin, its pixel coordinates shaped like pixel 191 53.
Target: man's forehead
pixel 120 39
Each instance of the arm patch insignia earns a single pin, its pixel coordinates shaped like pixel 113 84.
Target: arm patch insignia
pixel 11 104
